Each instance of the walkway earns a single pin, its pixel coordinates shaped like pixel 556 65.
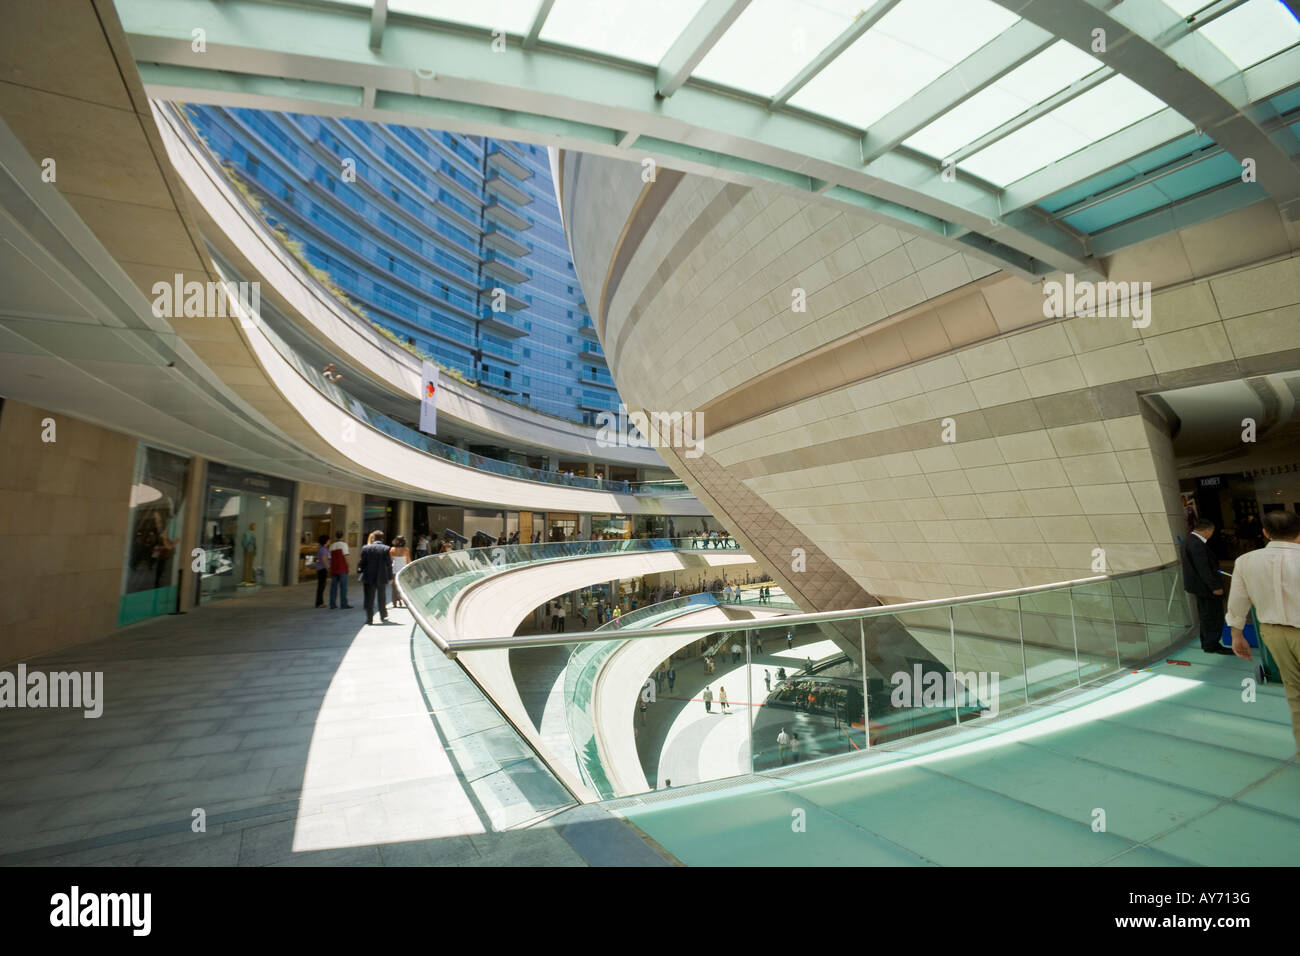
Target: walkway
pixel 1170 765
pixel 303 735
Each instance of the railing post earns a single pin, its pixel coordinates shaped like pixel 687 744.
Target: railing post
pixel 1119 659
pixel 1024 662
pixel 749 697
pixel 1078 671
pixel 866 699
pixel 952 633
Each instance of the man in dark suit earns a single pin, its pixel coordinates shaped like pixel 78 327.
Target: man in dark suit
pixel 1201 579
pixel 376 568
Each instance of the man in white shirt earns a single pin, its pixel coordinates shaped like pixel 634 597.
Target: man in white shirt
pixel 1270 580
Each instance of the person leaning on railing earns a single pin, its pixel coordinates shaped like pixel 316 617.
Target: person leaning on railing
pixel 1270 580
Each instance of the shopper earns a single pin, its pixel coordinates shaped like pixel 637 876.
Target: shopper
pixel 767 679
pixel 722 700
pixel 672 678
pixel 339 572
pixel 375 569
pixel 782 745
pixel 1270 580
pixel 708 700
pixel 1202 580
pixel 320 563
pixel 559 616
pixel 794 747
pixel 735 652
pixel 789 640
pixel 401 556
pixel 422 547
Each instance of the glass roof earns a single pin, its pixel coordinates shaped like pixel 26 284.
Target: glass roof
pixel 631 29
pixel 513 16
pixel 772 40
pixel 911 46
pixel 1105 109
pixel 1035 80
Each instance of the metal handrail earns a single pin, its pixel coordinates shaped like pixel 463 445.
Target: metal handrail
pixel 461 645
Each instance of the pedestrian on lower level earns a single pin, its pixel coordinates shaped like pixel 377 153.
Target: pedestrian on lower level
pixel 782 745
pixel 321 563
pixel 789 640
pixel 767 679
pixel 722 700
pixel 735 653
pixel 672 679
pixel 708 700
pixel 559 614
pixel 794 747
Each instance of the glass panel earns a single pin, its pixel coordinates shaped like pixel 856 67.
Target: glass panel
pixel 1253 32
pixel 807 693
pixel 989 656
pixel 513 16
pixel 1049 642
pixel 1094 622
pixel 631 29
pixel 912 45
pixel 768 44
pixel 149 574
pixel 1040 77
pixel 1129 612
pixel 1094 115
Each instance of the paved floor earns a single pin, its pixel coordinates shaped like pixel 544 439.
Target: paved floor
pixel 302 735
pixel 1166 767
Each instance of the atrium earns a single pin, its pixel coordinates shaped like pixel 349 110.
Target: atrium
pixel 650 433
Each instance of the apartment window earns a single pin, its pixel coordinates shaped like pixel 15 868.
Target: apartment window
pixel 568 339
pixel 392 263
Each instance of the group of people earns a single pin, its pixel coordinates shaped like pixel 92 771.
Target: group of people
pixel 1267 579
pixel 378 564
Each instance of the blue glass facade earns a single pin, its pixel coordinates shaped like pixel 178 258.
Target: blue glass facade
pixel 452 242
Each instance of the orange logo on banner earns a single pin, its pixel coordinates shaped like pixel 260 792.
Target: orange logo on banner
pixel 428 387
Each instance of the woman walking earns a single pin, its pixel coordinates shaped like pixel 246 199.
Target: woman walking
pixel 401 556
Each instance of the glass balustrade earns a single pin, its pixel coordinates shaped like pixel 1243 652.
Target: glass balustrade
pixel 802 687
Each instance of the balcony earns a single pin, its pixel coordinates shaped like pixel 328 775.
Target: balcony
pixel 501 323
pixel 500 183
pixel 508 158
pixel 588 330
pixel 500 237
pixel 513 301
pixel 590 404
pixel 590 352
pixel 497 382
pixel 586 377
pixel 503 211
pixel 501 266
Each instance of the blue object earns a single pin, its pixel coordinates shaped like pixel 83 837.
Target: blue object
pixel 1252 638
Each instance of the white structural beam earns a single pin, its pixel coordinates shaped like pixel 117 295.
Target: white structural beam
pixel 864 22
pixel 694 43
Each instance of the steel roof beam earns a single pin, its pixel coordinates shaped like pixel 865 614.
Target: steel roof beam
pixel 378 18
pixel 694 43
pixel 865 21
pixel 539 21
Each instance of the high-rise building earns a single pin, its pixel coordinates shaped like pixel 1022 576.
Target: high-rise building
pixel 453 243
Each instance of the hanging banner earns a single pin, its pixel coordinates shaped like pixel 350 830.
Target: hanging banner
pixel 429 399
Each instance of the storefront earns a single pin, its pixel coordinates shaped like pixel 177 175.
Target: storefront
pixel 1236 502
pixel 151 568
pixel 245 532
pixel 318 518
